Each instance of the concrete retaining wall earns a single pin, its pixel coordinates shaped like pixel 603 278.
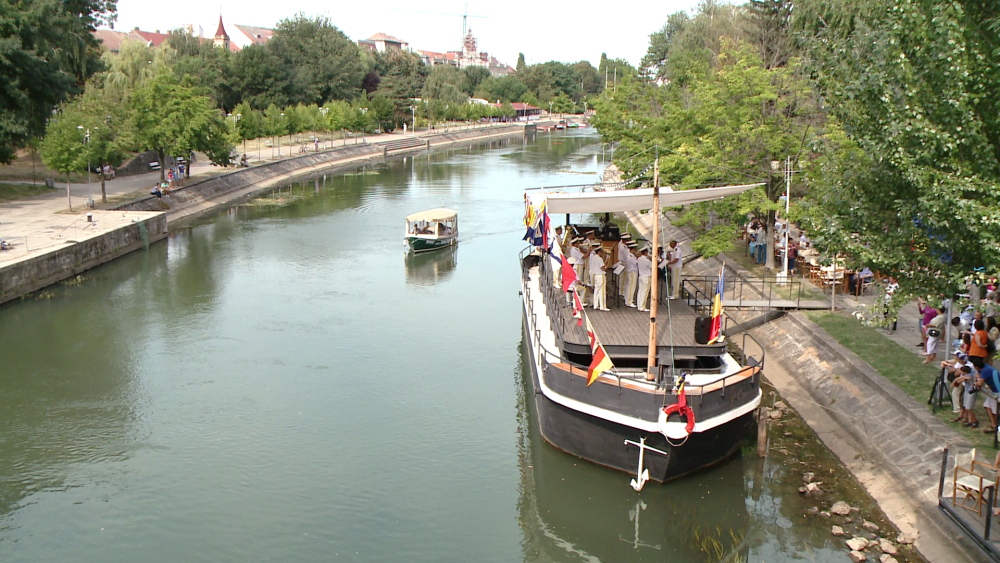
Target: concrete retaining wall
pixel 43 270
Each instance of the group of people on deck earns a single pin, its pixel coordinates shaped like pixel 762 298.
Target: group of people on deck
pixel 634 267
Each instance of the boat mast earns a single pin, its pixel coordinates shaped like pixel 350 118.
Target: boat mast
pixel 653 292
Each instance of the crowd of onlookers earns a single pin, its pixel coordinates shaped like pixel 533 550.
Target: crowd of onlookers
pixel 970 373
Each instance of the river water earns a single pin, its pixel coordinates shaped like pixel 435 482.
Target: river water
pixel 281 383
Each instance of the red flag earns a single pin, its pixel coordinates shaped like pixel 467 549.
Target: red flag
pixel 568 274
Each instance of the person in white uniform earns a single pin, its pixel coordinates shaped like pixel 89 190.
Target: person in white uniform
pixel 599 277
pixel 645 268
pixel 631 276
pixel 674 265
pixel 622 256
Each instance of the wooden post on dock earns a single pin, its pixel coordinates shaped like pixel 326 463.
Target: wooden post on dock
pixel 762 416
pixel 654 293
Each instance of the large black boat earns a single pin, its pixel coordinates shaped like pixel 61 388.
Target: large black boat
pixel 632 417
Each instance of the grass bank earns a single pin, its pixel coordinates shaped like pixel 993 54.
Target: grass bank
pixel 11 192
pixel 902 367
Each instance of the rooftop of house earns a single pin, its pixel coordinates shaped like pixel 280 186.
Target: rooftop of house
pixel 110 39
pixel 259 35
pixel 385 37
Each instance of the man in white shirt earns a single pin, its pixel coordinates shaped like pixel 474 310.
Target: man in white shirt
pixel 645 269
pixel 622 254
pixel 597 273
pixel 631 276
pixel 576 255
pixel 674 266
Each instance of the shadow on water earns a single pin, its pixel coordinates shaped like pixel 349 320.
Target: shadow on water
pixel 430 268
pixel 572 510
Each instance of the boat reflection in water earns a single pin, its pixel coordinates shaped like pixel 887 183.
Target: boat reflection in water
pixel 573 510
pixel 429 268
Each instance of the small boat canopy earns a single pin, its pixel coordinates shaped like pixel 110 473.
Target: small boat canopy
pixel 436 215
pixel 632 200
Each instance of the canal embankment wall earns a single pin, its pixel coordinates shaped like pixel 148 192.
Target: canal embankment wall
pixel 76 256
pixel 201 197
pixel 892 445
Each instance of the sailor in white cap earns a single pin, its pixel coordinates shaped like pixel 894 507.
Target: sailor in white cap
pixel 576 257
pixel 631 275
pixel 645 267
pixel 622 253
pixel 599 277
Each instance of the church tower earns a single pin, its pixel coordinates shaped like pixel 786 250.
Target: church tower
pixel 221 39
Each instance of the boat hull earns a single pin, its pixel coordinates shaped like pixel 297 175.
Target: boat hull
pixel 418 244
pixel 603 442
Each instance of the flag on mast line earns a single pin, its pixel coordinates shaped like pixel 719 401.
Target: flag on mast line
pixel 601 361
pixel 716 333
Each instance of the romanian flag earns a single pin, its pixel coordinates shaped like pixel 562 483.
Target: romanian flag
pixel 716 333
pixel 601 362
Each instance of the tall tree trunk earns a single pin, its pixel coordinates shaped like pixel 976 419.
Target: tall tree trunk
pixel 69 200
pixel 104 192
pixel 163 164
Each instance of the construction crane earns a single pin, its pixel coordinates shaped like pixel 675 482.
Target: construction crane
pixel 465 19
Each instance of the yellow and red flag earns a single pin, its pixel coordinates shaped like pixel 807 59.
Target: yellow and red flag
pixel 716 334
pixel 601 362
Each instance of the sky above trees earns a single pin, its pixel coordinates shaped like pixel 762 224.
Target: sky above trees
pixel 543 30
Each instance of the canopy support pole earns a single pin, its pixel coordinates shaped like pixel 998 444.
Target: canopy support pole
pixel 654 294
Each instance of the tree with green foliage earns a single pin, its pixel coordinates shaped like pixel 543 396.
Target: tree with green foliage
pixel 504 89
pixel 474 76
pixel 47 51
pixel 654 64
pixel 202 64
pixel 563 104
pixel 173 120
pixel 520 63
pixel 323 63
pixel 401 78
pixel 63 147
pixel 910 187
pixel 445 85
pixel 727 127
pixel 260 78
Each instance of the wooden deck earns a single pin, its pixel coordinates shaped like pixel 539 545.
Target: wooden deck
pixel 973 524
pixel 624 331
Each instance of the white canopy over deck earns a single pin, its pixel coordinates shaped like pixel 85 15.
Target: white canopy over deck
pixel 631 200
pixel 437 215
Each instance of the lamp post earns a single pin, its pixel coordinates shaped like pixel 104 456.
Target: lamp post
pixel 787 172
pixel 86 142
pixel 364 125
pixel 413 120
pixel 550 110
pixel 324 111
pixel 279 136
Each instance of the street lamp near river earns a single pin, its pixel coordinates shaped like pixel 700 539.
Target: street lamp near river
pixel 86 143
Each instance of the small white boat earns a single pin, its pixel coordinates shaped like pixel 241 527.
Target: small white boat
pixel 432 229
